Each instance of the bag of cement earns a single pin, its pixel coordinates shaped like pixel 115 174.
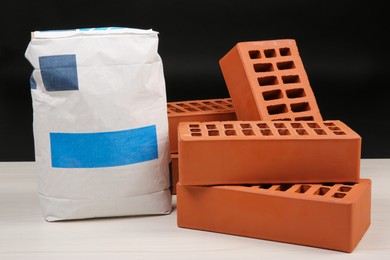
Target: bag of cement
pixel 100 123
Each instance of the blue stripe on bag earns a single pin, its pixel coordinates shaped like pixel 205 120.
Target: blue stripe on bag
pixel 104 149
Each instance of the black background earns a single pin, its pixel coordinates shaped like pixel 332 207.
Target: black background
pixel 343 46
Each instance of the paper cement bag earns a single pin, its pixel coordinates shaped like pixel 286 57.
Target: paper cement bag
pixel 100 123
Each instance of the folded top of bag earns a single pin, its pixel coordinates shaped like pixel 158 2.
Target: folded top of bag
pixel 90 31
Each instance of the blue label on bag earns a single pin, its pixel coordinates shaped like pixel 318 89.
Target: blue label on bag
pixel 59 72
pixel 104 149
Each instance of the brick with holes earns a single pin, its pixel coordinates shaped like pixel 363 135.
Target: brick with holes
pixel 197 110
pixel 331 216
pixel 267 81
pixel 251 152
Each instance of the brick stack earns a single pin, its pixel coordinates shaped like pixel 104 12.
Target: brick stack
pixel 278 171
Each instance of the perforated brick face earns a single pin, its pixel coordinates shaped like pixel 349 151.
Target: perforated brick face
pixel 267 130
pixel 247 152
pixel 200 106
pixel 314 191
pixel 329 215
pixel 197 110
pixel 267 81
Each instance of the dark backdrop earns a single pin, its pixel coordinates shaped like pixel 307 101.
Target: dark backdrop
pixel 342 45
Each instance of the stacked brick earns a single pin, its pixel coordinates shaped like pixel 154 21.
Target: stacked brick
pixel 277 171
pixel 252 152
pixel 194 110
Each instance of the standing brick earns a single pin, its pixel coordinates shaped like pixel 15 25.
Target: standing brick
pixel 267 81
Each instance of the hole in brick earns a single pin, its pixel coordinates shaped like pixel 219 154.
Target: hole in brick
pixel 194 126
pixel 207 103
pixel 277 109
pixel 345 189
pixel 221 102
pixel 217 107
pixel 248 132
pixel 195 104
pixel 272 94
pixel 230 132
pixel 196 134
pixel 320 131
pixel 339 133
pixel 300 107
pixel 280 125
pixel 286 65
pixel 329 124
pixel 186 107
pixel 177 110
pixel 266 81
pixel 321 191
pixel 285 51
pixel 339 195
pixel 211 126
pixel 313 125
pixel 281 119
pixel 262 125
pixel 266 132
pixel 204 108
pixel 296 125
pixel 334 128
pixel 303 188
pixel 302 132
pixel 214 133
pixel 291 79
pixel 304 118
pixel 265 186
pixel 328 184
pixel 295 93
pixel 191 109
pixel 263 67
pixel 195 130
pixel 270 53
pixel 228 126
pixel 245 126
pixel 255 54
pixel 284 187
pixel 284 132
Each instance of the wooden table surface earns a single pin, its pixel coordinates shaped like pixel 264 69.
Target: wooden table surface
pixel 24 234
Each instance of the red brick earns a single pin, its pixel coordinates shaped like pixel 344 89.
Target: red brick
pixel 197 110
pixel 331 216
pixel 251 152
pixel 174 171
pixel 267 81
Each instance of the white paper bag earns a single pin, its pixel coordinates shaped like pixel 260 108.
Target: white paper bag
pixel 100 123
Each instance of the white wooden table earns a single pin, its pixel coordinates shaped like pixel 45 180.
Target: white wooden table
pixel 24 234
